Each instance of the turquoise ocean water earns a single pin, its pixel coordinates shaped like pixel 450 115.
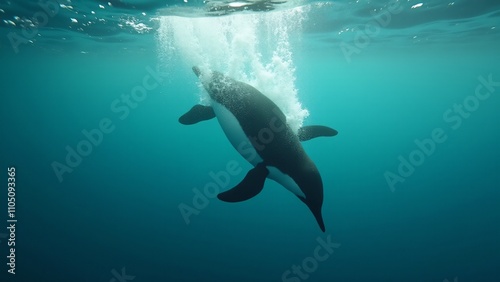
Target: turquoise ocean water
pixel 108 182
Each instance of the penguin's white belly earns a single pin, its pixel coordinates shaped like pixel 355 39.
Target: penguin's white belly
pixel 243 145
pixel 285 180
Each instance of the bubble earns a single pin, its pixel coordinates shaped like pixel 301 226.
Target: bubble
pixel 251 47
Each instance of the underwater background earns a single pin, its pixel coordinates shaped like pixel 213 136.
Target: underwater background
pixel 109 186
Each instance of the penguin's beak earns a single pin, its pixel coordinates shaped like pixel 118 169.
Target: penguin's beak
pixel 197 71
